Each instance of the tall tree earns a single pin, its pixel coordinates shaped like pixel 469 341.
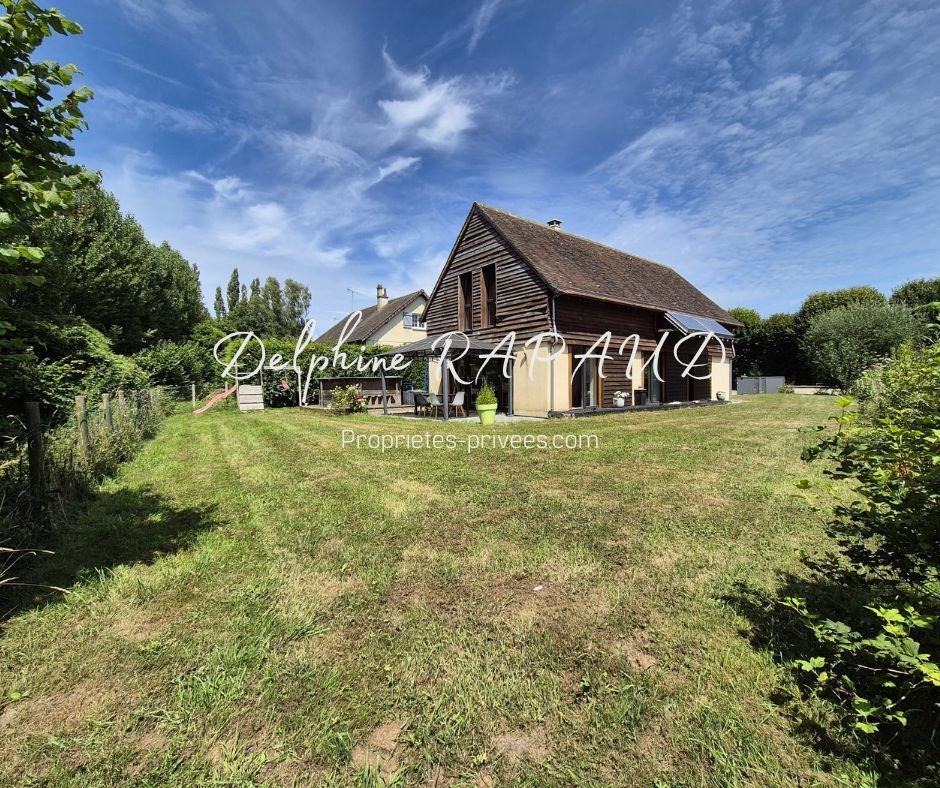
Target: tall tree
pixel 274 307
pixel 233 291
pixel 746 349
pixel 296 305
pixel 179 296
pixel 103 269
pixel 777 350
pixel 37 179
pixel 219 305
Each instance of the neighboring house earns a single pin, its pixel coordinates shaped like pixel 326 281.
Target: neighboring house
pixel 390 322
pixel 506 273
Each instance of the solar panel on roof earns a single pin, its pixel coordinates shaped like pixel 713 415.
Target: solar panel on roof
pixel 690 324
pixel 716 327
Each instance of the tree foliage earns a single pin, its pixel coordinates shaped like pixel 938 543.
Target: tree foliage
pixel 232 291
pixel 778 347
pixel 37 179
pixel 826 300
pixel 747 359
pixel 842 343
pixel 219 305
pixel 271 311
pixel 878 656
pixel 917 293
pixel 102 267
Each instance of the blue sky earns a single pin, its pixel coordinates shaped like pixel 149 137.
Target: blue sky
pixel 764 150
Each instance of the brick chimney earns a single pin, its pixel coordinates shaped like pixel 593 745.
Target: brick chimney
pixel 381 297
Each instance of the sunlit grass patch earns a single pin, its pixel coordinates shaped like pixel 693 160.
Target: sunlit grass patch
pixel 286 609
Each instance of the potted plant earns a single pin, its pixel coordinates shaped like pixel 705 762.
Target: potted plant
pixel 486 404
pixel 620 399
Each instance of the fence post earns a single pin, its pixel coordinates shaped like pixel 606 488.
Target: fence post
pixel 81 417
pixel 122 413
pixel 37 477
pixel 194 395
pixel 106 407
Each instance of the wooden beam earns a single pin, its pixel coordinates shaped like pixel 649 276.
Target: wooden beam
pixel 446 386
pixel 384 392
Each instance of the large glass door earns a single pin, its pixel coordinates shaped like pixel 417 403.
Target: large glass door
pixel 584 384
pixel 467 368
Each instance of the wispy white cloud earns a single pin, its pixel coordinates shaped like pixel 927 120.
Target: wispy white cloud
pixel 310 153
pixel 121 107
pixel 481 20
pixel 145 13
pixel 774 164
pixel 436 113
pixel 229 187
pixel 138 67
pixel 396 165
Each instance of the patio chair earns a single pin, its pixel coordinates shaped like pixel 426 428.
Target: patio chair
pixel 434 403
pixel 421 404
pixel 457 403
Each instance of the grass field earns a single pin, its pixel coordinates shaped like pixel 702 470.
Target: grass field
pixel 252 603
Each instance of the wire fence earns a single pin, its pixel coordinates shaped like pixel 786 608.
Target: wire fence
pixel 43 469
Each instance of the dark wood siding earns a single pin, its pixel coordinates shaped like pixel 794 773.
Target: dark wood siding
pixel 522 301
pixel 583 320
pixel 524 305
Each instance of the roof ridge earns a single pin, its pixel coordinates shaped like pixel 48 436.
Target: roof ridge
pixel 372 311
pixel 575 235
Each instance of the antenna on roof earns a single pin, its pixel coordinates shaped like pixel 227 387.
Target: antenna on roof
pixel 352 296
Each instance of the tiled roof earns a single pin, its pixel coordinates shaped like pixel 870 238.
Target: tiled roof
pixel 372 319
pixel 573 265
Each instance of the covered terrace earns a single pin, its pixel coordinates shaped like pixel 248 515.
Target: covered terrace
pixel 464 352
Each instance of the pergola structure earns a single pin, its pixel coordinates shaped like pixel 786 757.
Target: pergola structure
pixel 425 348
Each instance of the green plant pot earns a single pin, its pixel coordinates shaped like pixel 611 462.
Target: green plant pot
pixel 487 413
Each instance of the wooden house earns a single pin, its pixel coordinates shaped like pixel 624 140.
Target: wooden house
pixel 506 273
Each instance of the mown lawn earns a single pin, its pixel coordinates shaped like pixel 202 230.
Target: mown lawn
pixel 251 603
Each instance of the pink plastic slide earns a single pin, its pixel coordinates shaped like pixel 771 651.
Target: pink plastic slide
pixel 220 396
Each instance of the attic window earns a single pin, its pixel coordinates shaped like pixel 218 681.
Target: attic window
pixel 488 294
pixel 465 307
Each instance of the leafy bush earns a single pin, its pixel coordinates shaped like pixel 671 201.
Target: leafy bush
pixel 816 304
pixel 280 389
pixel 174 363
pixel 486 394
pixel 917 292
pixel 842 343
pixel 775 347
pixel 69 358
pixel 878 655
pixel 786 388
pixel 347 399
